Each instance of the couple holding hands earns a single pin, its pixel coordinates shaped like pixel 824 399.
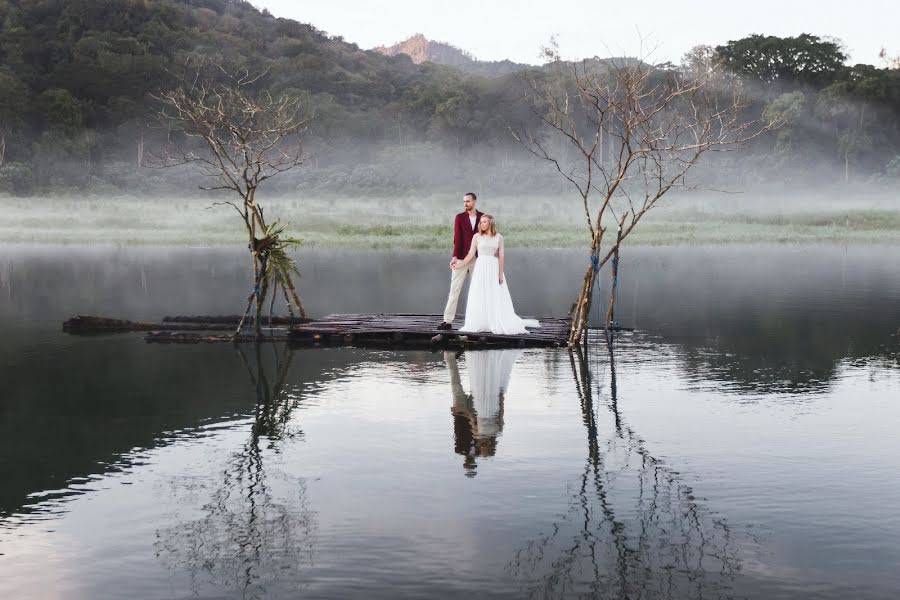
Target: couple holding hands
pixel 478 251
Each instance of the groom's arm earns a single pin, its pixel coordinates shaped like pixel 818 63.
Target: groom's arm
pixel 457 241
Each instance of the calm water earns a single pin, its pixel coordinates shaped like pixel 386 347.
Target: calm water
pixel 742 443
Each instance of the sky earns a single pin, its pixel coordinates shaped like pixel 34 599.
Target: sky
pixel 516 29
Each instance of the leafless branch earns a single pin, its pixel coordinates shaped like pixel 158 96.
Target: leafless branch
pixel 634 130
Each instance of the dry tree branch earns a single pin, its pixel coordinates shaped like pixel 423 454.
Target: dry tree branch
pixel 238 135
pixel 658 124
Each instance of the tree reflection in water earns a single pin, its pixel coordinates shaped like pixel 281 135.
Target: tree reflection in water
pixel 634 528
pixel 256 526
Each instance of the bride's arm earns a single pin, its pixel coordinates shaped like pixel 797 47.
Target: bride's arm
pixel 500 259
pixel 473 248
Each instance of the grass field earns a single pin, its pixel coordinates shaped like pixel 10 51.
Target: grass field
pixel 425 224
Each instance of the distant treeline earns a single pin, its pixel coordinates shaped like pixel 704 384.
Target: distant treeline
pixel 76 113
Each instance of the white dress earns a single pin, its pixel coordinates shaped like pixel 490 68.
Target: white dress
pixel 489 306
pixel 489 372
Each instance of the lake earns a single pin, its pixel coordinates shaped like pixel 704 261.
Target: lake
pixel 740 443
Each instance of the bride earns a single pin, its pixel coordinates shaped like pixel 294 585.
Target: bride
pixel 490 307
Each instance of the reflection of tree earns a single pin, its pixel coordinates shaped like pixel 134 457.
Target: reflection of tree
pixel 257 525
pixel 273 408
pixel 478 418
pixel 634 529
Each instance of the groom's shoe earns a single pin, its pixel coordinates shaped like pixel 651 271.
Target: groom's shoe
pixel 445 325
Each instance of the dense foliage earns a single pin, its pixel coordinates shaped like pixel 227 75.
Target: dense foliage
pixel 76 78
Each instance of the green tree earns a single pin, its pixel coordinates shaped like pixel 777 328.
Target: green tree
pixel 13 102
pixel 62 111
pixel 786 111
pixel 851 104
pixel 805 59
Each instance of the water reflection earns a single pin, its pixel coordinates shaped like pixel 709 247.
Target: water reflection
pixel 273 405
pixel 755 320
pixel 478 417
pixel 633 528
pixel 579 503
pixel 257 528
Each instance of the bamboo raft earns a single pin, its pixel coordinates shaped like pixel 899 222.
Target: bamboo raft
pixel 378 330
pixel 418 330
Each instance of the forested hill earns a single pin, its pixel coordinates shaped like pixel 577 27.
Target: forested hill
pixel 76 74
pixel 75 78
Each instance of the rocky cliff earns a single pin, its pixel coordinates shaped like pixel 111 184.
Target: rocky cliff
pixel 420 49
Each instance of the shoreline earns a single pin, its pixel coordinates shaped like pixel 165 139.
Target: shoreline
pixel 426 224
pixel 436 237
pixel 438 245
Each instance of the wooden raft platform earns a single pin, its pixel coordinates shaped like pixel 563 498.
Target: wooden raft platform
pixel 361 330
pixel 382 329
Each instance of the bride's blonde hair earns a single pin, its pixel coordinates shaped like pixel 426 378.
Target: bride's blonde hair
pixel 492 229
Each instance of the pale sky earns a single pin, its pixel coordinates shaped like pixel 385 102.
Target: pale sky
pixel 516 29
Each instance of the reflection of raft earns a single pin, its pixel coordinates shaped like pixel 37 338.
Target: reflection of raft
pixel 364 330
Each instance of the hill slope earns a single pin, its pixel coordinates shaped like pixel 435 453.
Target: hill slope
pixel 75 79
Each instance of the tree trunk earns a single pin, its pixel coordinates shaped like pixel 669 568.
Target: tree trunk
pixel 289 284
pixel 287 301
pixel 250 222
pixel 581 309
pixel 610 311
pixel 263 287
pixel 240 326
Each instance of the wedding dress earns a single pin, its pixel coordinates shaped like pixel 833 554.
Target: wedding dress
pixel 489 372
pixel 489 306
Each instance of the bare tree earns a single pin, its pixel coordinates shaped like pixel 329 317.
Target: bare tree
pixel 890 62
pixel 633 131
pixel 699 60
pixel 238 136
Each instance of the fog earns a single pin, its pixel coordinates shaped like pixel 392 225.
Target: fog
pixel 773 214
pixel 353 190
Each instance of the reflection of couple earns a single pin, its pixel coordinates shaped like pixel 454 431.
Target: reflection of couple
pixel 478 249
pixel 478 418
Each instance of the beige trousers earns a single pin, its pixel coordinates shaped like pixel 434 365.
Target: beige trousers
pixel 461 400
pixel 457 279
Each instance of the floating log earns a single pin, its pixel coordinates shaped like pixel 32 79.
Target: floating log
pixel 610 328
pixel 86 324
pixel 235 319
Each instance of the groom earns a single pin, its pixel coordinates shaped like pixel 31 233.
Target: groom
pixel 464 228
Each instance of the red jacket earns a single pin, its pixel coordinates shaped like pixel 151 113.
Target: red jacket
pixel 463 232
